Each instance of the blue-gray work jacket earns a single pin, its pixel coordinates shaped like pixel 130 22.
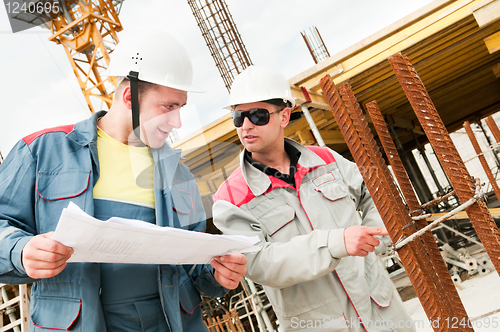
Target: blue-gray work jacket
pixel 50 168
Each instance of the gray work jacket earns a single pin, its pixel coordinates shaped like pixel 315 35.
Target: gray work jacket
pixel 303 265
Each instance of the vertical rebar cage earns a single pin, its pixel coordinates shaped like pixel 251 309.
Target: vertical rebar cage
pixel 222 38
pixel 315 44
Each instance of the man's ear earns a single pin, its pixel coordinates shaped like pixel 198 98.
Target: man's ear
pixel 285 116
pixel 126 97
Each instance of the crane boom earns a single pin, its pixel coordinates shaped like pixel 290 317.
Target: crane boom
pixel 87 29
pixel 88 32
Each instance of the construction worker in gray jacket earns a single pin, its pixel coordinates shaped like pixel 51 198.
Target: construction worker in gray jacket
pixel 318 226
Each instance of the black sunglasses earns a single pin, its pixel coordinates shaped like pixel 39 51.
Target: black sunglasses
pixel 257 116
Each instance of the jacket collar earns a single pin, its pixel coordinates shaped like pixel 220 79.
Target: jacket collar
pixel 85 132
pixel 307 158
pixel 259 182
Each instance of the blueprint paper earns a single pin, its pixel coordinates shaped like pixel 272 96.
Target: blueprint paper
pixel 119 240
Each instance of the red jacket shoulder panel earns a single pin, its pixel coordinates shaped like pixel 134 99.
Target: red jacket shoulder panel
pixel 234 190
pixel 323 153
pixel 30 138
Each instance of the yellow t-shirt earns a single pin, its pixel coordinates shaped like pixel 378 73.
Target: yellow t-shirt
pixel 126 172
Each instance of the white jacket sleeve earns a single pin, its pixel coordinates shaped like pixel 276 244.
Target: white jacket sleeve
pixel 364 201
pixel 280 265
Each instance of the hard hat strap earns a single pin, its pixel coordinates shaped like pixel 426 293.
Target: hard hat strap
pixel 133 76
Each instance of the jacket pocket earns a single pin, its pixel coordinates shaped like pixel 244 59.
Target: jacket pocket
pixel 332 195
pixel 189 297
pixel 53 186
pixel 331 190
pixel 55 313
pixel 55 190
pixel 279 224
pixel 182 197
pixel 187 206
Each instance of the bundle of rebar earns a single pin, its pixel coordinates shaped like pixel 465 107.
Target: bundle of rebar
pixel 447 154
pixel 383 190
pixel 442 279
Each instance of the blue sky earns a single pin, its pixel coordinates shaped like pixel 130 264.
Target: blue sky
pixel 38 88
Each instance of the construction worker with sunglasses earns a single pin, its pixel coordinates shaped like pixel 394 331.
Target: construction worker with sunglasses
pixel 114 164
pixel 319 228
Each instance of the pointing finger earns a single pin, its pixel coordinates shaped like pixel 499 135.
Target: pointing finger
pixel 377 231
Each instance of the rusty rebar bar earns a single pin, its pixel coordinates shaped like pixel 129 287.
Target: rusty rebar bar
pixel 444 284
pixel 361 125
pixel 482 159
pixel 385 203
pixel 447 154
pixel 370 145
pixel 436 201
pixel 493 128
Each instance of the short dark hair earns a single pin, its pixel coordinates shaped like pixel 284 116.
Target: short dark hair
pixel 278 102
pixel 143 86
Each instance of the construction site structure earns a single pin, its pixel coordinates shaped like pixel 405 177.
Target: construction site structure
pixel 14 308
pixel 222 37
pixel 454 45
pixel 441 278
pixel 482 159
pixel 315 44
pixel 87 30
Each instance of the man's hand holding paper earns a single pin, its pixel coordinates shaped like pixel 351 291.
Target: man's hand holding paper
pixel 132 241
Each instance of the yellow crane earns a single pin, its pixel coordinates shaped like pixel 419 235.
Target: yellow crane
pixel 87 30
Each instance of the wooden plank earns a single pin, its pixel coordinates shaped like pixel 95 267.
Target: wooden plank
pixel 371 40
pixel 209 133
pixel 495 213
pixel 398 42
pixel 301 123
pixel 487 12
pixel 438 77
pixel 212 156
pixel 317 98
pixel 432 60
pixel 306 137
pixel 492 109
pixel 400 122
pixel 421 51
pixel 332 137
pixel 493 42
pixel 496 70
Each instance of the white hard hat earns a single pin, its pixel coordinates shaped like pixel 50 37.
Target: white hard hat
pixel 257 83
pixel 158 58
